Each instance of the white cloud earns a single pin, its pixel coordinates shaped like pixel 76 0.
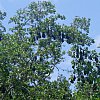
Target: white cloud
pixel 1 7
pixel 97 41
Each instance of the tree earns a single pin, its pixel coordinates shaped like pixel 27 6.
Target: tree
pixel 31 50
pixel 56 90
pixel 85 64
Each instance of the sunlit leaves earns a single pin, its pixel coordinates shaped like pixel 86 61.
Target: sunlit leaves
pixel 30 53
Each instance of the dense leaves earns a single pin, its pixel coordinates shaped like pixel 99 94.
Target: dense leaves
pixel 32 49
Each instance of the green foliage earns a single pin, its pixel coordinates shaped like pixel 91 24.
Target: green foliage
pixel 30 53
pixel 85 64
pixel 32 48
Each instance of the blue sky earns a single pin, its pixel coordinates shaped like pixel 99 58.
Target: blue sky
pixel 69 8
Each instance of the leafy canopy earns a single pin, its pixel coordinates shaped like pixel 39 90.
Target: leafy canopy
pixel 32 48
